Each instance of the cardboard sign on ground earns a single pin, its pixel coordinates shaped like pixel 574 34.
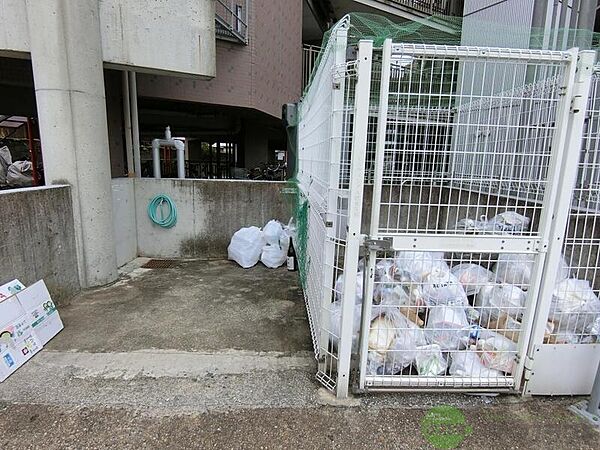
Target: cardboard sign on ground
pixel 28 320
pixel 18 343
pixel 41 310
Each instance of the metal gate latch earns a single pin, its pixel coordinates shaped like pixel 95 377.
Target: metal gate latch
pixel 383 244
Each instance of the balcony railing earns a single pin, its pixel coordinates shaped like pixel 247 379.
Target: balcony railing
pixel 310 54
pixel 231 20
pixel 425 6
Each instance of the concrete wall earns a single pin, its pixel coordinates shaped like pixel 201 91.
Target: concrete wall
pixel 262 75
pixel 166 36
pixel 209 212
pixel 124 222
pixel 37 239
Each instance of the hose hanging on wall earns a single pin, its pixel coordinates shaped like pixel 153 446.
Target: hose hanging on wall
pixel 156 204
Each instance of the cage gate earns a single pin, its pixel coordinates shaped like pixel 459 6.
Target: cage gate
pixel 466 167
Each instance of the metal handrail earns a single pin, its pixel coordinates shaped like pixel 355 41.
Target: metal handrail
pixel 426 6
pixel 234 23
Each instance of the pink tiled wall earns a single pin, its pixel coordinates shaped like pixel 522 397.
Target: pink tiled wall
pixel 262 75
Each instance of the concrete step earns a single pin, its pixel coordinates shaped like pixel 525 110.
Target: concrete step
pixel 165 382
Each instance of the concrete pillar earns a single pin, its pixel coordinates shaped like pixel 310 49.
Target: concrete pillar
pixel 66 54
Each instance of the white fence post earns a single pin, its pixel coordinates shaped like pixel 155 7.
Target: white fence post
pixel 565 175
pixel 353 240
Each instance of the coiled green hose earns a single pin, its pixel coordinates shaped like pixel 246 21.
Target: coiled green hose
pixel 156 204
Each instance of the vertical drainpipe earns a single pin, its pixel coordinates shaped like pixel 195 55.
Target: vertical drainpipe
pixel 127 124
pixel 135 125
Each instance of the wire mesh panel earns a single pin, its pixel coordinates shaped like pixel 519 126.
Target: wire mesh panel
pixel 324 136
pixel 464 174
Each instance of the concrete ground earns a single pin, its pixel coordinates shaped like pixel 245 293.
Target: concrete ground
pixel 208 355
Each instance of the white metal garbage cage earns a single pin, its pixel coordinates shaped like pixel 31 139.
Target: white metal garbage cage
pixel 451 212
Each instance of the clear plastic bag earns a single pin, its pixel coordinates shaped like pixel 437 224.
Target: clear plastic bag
pixel 335 323
pixel 446 326
pixel 472 277
pixel 382 333
pixel 430 361
pixel 246 246
pixel 509 222
pixel 575 307
pixel 472 225
pixel 496 299
pixel 420 264
pixel 517 269
pixel 442 288
pixel 497 351
pixel 339 288
pixel 466 363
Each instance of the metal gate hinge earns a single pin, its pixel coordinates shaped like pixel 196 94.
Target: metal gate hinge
pixel 383 244
pixel 328 223
pixel 527 368
pixel 577 104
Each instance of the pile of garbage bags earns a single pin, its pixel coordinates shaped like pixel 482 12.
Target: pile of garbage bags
pixel 249 245
pixel 433 319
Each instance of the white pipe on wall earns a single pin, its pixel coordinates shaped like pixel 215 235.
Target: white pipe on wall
pixel 168 141
pixel 127 125
pixel 156 157
pixel 180 146
pixel 135 126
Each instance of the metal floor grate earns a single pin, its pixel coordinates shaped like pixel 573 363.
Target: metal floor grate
pixel 160 264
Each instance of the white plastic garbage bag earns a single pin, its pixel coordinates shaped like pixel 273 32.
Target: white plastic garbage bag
pixel 517 269
pixel 575 308
pixel 504 298
pixel 272 232
pixel 509 222
pixel 466 363
pixel 430 361
pixel 496 351
pixel 420 264
pixel 246 246
pixel 440 287
pixel 472 277
pixel 20 174
pixel 273 256
pixel 446 326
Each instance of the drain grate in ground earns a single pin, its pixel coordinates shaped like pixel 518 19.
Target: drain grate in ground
pixel 160 264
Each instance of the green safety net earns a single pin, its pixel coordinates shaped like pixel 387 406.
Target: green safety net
pixel 439 30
